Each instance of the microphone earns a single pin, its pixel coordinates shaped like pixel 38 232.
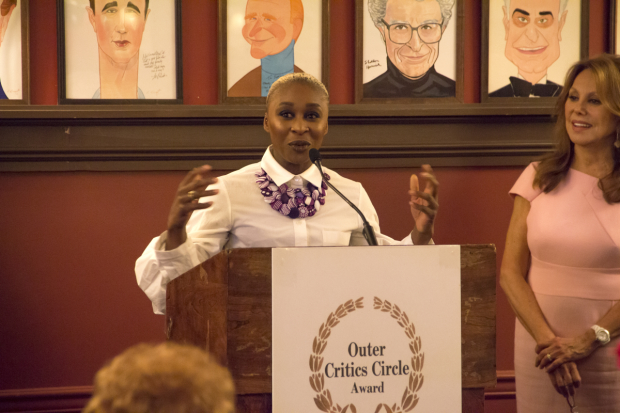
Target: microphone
pixel 368 231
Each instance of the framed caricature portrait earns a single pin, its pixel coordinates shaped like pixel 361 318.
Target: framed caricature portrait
pixel 261 41
pixel 527 48
pixel 119 52
pixel 409 51
pixel 14 65
pixel 614 32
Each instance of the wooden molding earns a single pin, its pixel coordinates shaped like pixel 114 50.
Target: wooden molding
pixel 75 138
pixel 505 388
pixel 73 399
pixel 51 399
pixel 139 112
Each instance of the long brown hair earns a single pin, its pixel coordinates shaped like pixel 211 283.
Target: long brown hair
pixel 553 168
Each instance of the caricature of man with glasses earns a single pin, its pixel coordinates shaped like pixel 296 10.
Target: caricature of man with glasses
pixel 412 31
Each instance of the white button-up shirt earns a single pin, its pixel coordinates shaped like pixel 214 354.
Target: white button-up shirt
pixel 240 218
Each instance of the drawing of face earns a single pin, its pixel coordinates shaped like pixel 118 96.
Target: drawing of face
pixel 119 26
pixel 6 9
pixel 415 57
pixel 269 27
pixel 533 34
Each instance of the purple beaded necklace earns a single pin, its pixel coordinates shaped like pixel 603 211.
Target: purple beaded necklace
pixel 292 202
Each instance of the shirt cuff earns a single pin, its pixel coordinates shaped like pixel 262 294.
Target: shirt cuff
pixel 408 241
pixel 180 251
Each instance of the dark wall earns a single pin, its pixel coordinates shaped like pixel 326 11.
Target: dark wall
pixel 69 299
pixel 69 242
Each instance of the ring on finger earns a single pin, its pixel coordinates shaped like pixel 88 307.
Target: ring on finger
pixel 192 195
pixel 549 357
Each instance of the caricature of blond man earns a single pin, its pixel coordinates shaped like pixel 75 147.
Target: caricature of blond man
pixel 6 9
pixel 119 26
pixel 271 28
pixel 533 34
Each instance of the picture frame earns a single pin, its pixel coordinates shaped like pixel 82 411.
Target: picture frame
pixel 242 79
pixel 15 57
pixel 614 26
pixel 571 28
pixel 89 65
pixel 442 80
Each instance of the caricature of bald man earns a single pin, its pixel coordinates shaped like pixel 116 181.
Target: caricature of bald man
pixel 271 28
pixel 119 26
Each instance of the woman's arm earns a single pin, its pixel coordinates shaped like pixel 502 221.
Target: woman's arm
pixel 172 254
pixel 513 272
pixel 514 269
pixel 562 350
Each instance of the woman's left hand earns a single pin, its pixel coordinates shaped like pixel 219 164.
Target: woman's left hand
pixel 565 379
pixel 424 205
pixel 559 350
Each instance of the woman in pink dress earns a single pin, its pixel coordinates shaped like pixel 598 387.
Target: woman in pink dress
pixel 561 266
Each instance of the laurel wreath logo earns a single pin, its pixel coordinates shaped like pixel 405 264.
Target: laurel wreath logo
pixel 323 399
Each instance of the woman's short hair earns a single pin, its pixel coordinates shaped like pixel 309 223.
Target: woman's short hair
pixel 553 168
pixel 162 378
pixel 297 78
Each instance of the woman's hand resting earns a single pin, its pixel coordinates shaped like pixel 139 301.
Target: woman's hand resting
pixel 553 353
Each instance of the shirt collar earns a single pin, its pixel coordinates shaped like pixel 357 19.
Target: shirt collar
pixel 281 176
pixel 542 81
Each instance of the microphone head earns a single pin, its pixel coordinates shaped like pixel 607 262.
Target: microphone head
pixel 315 155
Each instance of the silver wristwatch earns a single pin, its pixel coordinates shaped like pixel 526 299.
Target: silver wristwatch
pixel 602 335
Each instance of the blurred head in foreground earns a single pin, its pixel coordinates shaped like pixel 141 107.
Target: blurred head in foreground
pixel 162 378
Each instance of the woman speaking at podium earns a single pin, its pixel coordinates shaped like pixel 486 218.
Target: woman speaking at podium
pixel 281 201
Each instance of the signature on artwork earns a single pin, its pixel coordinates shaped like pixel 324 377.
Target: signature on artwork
pixel 156 63
pixel 371 63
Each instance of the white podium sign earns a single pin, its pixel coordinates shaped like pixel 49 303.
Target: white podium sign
pixel 366 329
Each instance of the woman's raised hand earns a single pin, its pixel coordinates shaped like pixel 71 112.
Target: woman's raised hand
pixel 424 205
pixel 191 189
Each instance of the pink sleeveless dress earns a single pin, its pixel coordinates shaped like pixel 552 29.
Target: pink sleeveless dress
pixel 574 241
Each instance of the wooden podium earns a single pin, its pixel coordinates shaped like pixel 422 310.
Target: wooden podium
pixel 224 306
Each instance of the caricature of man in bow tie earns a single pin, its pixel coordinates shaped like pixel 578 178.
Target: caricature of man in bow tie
pixel 533 35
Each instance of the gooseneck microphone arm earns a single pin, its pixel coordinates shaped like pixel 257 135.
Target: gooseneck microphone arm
pixel 368 231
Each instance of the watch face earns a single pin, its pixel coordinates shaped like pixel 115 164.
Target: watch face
pixel 602 336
